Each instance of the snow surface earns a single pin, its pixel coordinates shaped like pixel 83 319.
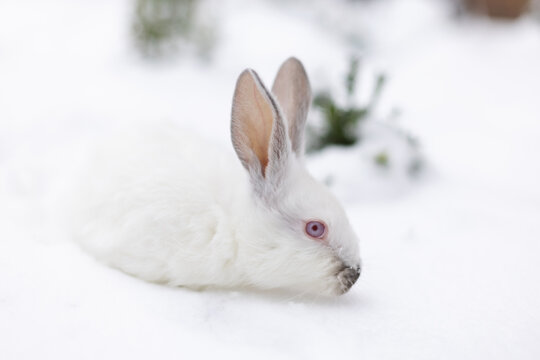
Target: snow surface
pixel 451 260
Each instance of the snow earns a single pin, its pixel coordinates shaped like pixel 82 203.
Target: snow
pixel 450 259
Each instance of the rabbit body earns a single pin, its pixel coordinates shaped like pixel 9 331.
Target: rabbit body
pixel 167 207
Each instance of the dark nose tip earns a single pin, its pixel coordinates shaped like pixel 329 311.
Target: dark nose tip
pixel 347 277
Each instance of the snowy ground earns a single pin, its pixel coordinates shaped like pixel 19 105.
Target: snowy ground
pixel 451 262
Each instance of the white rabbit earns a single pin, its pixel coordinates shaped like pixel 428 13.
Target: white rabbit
pixel 169 208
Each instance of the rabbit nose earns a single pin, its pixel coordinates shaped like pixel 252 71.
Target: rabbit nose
pixel 347 277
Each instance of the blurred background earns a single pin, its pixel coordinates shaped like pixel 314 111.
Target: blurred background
pixel 425 123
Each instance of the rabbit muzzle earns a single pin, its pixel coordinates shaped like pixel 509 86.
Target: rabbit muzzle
pixel 347 276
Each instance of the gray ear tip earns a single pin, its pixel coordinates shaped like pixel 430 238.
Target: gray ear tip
pixel 293 61
pixel 250 74
pixel 247 72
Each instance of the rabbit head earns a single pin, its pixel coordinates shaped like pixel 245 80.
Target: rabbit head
pixel 297 234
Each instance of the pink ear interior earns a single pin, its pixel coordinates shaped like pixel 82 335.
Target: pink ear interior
pixel 252 119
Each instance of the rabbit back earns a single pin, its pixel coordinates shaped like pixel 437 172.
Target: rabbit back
pixel 153 205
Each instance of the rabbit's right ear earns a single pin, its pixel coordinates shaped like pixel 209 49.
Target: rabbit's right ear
pixel 293 92
pixel 259 134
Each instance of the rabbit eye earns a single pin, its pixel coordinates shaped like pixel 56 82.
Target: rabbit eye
pixel 316 229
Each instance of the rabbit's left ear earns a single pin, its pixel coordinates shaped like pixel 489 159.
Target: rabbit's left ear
pixel 259 134
pixel 293 92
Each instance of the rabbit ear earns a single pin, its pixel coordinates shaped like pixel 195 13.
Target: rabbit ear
pixel 293 92
pixel 258 131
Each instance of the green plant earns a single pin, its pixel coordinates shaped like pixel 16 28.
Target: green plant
pixel 159 26
pixel 341 123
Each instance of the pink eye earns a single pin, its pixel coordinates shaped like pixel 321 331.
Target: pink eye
pixel 316 229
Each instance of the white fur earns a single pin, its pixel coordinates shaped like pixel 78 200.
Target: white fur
pixel 166 207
